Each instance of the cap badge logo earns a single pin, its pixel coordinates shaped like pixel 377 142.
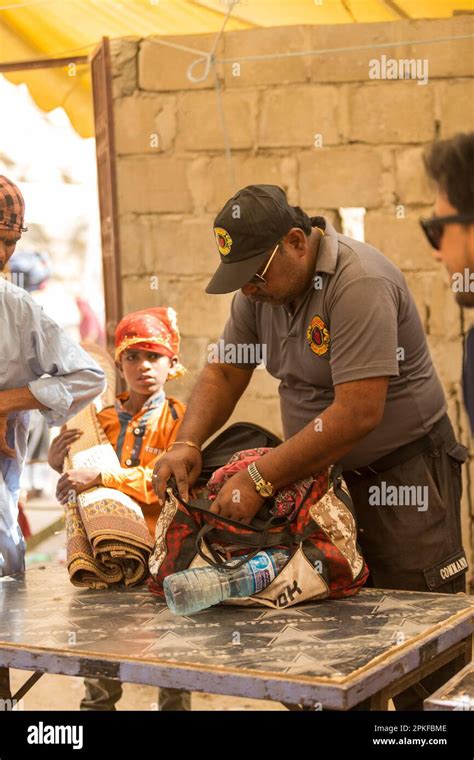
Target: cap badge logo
pixel 223 239
pixel 318 336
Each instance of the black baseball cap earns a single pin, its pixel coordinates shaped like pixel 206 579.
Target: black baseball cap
pixel 250 223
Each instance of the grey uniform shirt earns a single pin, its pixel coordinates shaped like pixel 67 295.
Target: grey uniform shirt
pixel 357 320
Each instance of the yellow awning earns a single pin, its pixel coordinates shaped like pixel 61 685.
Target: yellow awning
pixel 37 29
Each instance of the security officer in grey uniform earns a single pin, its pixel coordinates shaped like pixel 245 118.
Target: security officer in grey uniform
pixel 340 330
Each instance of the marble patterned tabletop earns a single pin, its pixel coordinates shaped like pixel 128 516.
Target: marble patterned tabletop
pixel 308 653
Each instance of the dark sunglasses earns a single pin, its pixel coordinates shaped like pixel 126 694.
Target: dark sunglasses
pixel 434 227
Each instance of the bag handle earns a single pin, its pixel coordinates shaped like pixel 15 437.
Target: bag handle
pixel 336 477
pixel 232 564
pixel 198 506
pixel 202 506
pixel 200 538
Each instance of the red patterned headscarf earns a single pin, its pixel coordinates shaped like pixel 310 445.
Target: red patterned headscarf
pixel 154 329
pixel 12 206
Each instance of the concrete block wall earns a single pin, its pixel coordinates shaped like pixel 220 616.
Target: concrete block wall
pixel 317 125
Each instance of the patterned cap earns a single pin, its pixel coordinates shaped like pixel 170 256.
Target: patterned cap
pixel 154 329
pixel 12 206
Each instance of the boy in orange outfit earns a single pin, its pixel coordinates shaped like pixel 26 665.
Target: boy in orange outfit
pixel 142 424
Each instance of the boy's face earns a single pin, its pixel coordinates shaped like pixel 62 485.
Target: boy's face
pixel 145 372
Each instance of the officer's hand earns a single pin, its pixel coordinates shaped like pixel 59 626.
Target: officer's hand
pixel 60 447
pixel 184 463
pixel 238 499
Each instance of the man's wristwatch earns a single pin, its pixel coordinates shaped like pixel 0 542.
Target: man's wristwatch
pixel 263 487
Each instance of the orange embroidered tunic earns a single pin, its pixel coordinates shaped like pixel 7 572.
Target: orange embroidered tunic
pixel 138 441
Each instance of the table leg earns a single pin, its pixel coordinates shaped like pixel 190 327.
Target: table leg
pixel 5 691
pixel 379 701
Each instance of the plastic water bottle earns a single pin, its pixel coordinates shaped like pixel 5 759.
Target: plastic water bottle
pixel 198 588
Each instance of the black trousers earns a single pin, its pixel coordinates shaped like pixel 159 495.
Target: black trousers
pixel 413 541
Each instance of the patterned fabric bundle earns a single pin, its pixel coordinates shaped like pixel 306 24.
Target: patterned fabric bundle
pixel 108 541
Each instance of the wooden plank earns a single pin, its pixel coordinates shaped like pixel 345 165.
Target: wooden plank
pixel 43 63
pixel 107 183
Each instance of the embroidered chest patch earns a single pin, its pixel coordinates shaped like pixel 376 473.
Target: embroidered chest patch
pixel 318 336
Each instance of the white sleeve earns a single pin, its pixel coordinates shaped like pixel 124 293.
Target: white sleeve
pixel 73 379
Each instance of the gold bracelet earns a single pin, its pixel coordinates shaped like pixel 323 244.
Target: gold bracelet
pixel 188 443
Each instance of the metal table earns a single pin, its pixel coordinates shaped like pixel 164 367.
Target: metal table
pixel 328 654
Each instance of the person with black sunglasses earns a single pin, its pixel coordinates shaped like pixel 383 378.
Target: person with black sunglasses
pixel 450 163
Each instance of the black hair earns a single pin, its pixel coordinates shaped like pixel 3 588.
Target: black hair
pixel 303 221
pixel 450 163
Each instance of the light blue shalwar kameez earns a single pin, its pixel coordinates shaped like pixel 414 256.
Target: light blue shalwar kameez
pixel 36 353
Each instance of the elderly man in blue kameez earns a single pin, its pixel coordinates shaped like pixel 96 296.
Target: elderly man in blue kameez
pixel 40 368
